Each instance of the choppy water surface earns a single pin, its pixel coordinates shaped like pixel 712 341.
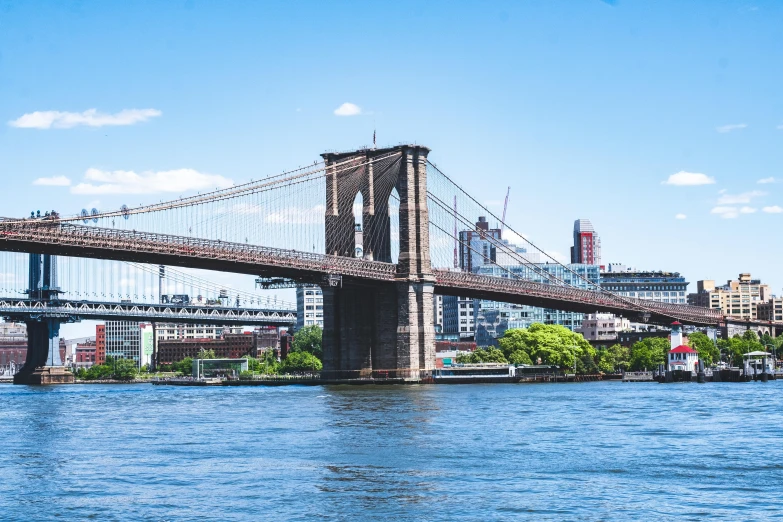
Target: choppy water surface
pixel 592 451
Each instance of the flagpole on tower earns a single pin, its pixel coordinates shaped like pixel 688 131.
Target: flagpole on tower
pixel 373 133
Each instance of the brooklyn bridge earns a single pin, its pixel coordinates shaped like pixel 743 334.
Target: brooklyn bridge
pixel 301 226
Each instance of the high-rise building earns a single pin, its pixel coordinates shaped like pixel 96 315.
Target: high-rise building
pixel 309 306
pixel 458 316
pixel 124 340
pixel 476 247
pixel 437 313
pixel 660 286
pixel 587 245
pixel 493 318
pixel 100 344
pixel 737 299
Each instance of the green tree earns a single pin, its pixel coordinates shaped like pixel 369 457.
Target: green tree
pixel 649 353
pixel 553 344
pixel 586 364
pixel 205 354
pixel 309 339
pixel 708 352
pixel 519 357
pixel 125 369
pixel 185 366
pixel 736 347
pixel 300 362
pixel 750 336
pixel 613 359
pixel 265 366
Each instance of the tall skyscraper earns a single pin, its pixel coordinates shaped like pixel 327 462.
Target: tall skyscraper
pixel 587 245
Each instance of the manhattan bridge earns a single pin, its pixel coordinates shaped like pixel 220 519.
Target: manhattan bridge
pixel 299 227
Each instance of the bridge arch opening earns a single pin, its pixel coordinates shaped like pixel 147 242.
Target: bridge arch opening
pixel 358 223
pixel 394 225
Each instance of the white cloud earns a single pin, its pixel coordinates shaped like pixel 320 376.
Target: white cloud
pixel 766 180
pixel 559 257
pixel 725 212
pixel 680 216
pixel 348 109
pixel 128 182
pixel 514 238
pixel 90 118
pixel 728 128
pixel 774 209
pixel 747 210
pixel 54 181
pixel 780 127
pixel 734 199
pixel 683 178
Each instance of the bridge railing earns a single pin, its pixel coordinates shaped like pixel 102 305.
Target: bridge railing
pixel 150 243
pixel 599 299
pixel 257 257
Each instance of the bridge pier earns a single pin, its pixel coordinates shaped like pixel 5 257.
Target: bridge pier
pixel 43 364
pixel 385 327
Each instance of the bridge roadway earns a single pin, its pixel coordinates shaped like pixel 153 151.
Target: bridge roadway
pixel 72 311
pixel 51 237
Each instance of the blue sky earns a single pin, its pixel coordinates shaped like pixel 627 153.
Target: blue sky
pixel 586 108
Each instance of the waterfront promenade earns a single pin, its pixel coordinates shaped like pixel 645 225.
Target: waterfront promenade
pixel 592 451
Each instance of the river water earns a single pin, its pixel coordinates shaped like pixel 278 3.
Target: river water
pixel 590 451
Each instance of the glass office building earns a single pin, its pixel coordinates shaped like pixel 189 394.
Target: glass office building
pixel 494 318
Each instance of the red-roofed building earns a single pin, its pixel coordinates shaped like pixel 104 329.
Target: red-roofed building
pixel 683 358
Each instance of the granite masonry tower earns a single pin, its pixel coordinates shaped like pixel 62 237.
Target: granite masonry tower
pixel 372 328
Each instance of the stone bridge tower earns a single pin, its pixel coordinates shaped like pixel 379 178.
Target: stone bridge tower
pixel 383 327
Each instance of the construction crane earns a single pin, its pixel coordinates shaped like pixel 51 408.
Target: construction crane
pixel 456 236
pixel 503 219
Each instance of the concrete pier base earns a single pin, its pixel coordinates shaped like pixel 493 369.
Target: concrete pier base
pixel 43 364
pixel 45 375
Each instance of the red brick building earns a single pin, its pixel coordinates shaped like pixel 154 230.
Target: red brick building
pixel 13 351
pixel 231 346
pixel 85 354
pixel 100 344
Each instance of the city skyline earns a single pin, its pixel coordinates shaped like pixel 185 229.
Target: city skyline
pixel 671 156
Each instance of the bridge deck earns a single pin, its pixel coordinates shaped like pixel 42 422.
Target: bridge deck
pixel 83 241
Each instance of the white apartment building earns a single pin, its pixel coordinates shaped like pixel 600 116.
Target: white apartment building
pixel 309 306
pixel 603 327
pixel 172 331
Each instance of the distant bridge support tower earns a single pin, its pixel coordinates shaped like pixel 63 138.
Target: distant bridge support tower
pixel 43 364
pixel 379 328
